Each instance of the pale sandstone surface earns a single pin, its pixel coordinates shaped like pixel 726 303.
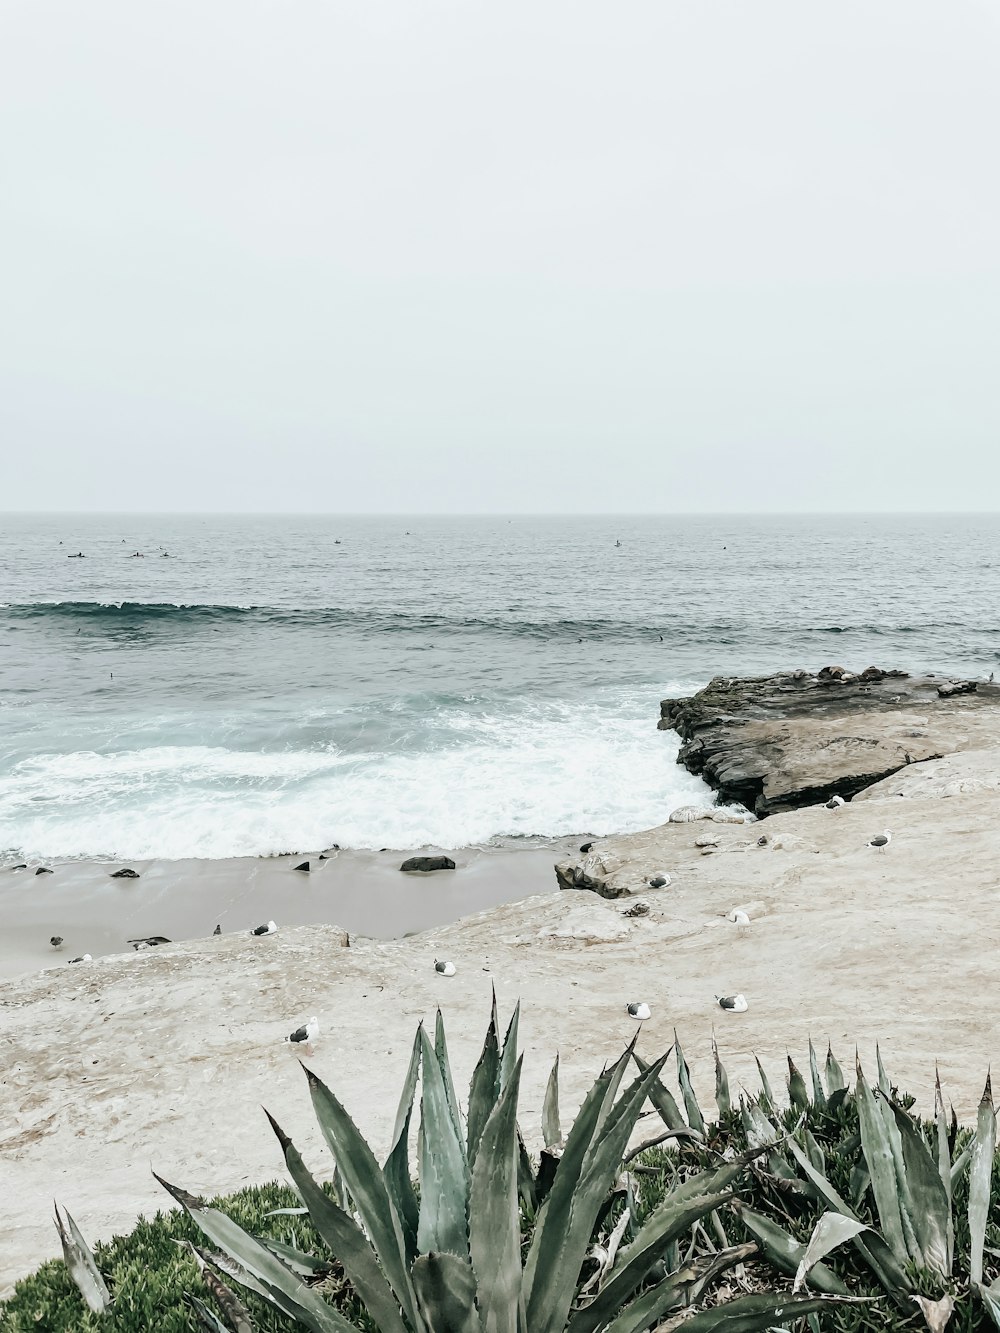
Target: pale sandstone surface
pixel 164 1058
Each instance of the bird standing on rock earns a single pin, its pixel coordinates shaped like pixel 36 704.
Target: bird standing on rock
pixel 881 841
pixel 734 1004
pixel 445 968
pixel 269 929
pixel 740 919
pixel 835 802
pixel 56 941
pixel 639 1011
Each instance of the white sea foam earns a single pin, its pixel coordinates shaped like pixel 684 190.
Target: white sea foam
pixel 544 768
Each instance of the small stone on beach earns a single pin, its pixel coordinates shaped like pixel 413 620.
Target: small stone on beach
pixel 659 881
pixel 44 870
pixel 125 874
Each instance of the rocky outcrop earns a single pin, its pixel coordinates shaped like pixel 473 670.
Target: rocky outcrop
pixel 779 742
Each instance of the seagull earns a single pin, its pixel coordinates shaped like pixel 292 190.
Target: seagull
pixel 835 802
pixel 443 966
pixel 269 929
pixel 147 942
pixel 84 958
pixel 881 840
pixel 640 1012
pixel 217 930
pixel 735 1004
pixel 306 1034
pixel 658 881
pixel 740 919
pixel 56 941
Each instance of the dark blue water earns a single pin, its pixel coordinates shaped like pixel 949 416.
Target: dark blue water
pixel 278 683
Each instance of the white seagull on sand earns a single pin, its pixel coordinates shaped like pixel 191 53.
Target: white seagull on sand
pixel 640 1012
pixel 84 958
pixel 443 966
pixel 734 1004
pixel 835 802
pixel 740 919
pixel 269 929
pixel 306 1034
pixel 881 840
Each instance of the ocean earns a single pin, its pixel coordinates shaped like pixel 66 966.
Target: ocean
pixel 253 685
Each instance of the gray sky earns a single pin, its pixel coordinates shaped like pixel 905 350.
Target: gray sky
pixel 366 255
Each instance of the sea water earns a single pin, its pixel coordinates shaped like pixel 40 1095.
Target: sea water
pixel 255 685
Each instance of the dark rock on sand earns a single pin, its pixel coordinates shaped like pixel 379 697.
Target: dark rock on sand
pixel 125 874
pixel 428 863
pixel 585 848
pixel 304 866
pixel 779 742
pixel 44 870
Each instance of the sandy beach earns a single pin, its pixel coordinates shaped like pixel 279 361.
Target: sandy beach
pixel 163 1059
pixel 362 892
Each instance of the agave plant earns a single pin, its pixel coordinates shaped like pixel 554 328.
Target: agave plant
pixel 487 1244
pixel 911 1174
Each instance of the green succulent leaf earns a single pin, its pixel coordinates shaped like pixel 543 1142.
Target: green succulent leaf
pixel 366 1185
pixel 819 1096
pixel 82 1266
pixel 787 1254
pixel 444 1170
pixel 278 1283
pixel 662 1098
pixel 980 1178
pixel 345 1240
pixel 484 1088
pixel 494 1216
pixel 835 1081
pixel 695 1118
pixel 763 1311
pixel 925 1195
pixel 446 1293
pixel 878 1152
pixel 722 1098
pixel 551 1132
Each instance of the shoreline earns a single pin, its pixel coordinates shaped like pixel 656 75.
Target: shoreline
pixel 362 892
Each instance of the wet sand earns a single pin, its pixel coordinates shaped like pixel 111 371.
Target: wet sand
pixel 362 892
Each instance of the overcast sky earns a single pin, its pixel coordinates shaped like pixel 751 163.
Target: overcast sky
pixel 320 255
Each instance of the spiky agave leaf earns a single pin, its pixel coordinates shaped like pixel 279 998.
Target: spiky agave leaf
pixel 508 1056
pixel 79 1259
pixel 832 1230
pixel 551 1133
pixel 485 1086
pixel 695 1118
pixel 786 1253
pixel 878 1151
pixel 207 1318
pixel 444 1065
pixel 396 1172
pixel 590 1160
pixel 276 1281
pixel 835 1081
pixel 819 1096
pixel 762 1311
pixel 767 1096
pixel 797 1095
pixel 944 1162
pixel 871 1246
pixel 683 1287
pixel 345 1241
pixel 446 1293
pixel 444 1168
pixel 232 1307
pixel 980 1177
pixel 366 1184
pixel 672 1218
pixel 925 1195
pixel 662 1098
pixel 722 1098
pixel 494 1216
